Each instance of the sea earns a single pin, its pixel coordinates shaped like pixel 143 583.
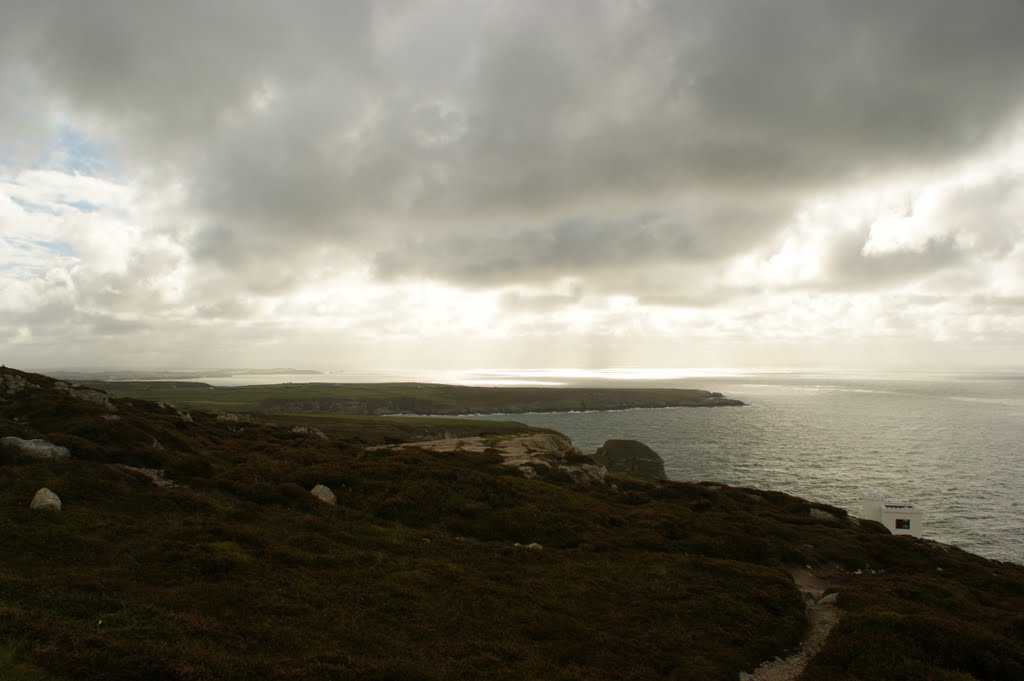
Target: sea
pixel 952 443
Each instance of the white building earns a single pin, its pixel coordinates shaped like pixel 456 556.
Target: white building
pixel 898 518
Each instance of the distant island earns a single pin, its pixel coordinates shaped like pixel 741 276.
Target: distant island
pixel 435 399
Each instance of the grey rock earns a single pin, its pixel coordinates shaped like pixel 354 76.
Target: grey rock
pixel 45 500
pixel 37 449
pixel 631 458
pixel 309 430
pixel 324 494
pixel 830 599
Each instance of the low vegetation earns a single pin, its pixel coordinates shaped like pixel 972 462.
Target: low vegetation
pixel 406 398
pixel 437 566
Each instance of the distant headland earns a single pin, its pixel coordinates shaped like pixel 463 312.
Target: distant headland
pixel 409 398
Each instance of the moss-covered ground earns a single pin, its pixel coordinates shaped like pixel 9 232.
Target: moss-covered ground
pixel 237 572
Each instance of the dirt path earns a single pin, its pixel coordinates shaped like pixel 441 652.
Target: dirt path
pixel 822 615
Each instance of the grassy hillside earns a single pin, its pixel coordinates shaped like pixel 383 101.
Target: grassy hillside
pixel 422 570
pixel 406 398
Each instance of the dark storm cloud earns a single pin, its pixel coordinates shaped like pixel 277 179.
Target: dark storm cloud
pixel 847 267
pixel 583 246
pixel 416 134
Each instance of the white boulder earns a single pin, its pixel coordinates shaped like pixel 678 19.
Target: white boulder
pixel 324 494
pixel 45 500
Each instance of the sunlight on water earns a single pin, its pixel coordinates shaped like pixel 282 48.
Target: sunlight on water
pixel 611 374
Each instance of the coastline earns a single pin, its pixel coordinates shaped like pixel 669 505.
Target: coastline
pixel 420 399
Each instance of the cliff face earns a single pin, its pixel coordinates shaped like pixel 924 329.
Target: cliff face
pixel 189 546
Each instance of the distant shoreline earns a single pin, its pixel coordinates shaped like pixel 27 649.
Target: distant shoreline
pixel 175 375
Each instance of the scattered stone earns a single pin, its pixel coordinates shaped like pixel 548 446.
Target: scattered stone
pixel 37 449
pixel 235 418
pixel 309 430
pixel 13 383
pixel 110 417
pixel 822 616
pixel 631 458
pixel 45 500
pixel 324 494
pixel 185 416
pixel 830 599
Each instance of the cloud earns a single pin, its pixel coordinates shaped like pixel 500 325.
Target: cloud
pixel 230 163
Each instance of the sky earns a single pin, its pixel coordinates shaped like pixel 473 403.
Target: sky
pixel 435 184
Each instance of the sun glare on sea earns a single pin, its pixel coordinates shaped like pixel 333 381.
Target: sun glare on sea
pixel 559 376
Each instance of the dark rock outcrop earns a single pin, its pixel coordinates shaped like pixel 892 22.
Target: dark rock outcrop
pixel 631 458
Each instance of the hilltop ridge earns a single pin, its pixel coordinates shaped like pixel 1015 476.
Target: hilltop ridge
pixel 189 546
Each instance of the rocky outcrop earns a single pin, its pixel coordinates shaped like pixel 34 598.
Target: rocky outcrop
pixel 86 394
pixel 45 500
pixel 631 458
pixel 36 449
pixel 324 494
pixel 532 455
pixel 11 384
